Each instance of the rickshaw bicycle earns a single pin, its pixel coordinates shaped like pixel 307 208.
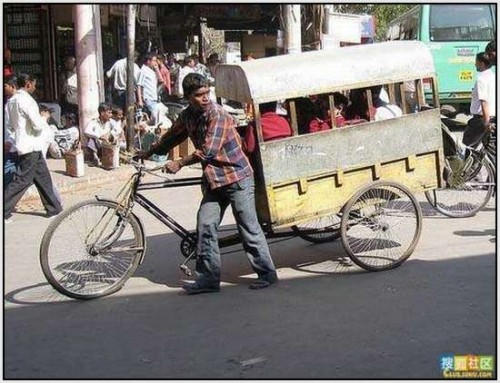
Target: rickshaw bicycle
pixel 356 183
pixel 91 249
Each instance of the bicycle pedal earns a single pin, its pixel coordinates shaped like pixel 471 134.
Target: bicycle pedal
pixel 186 270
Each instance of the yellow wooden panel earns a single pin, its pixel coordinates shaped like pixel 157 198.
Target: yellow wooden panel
pixel 293 202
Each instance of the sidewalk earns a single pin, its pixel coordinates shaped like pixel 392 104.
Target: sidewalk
pixel 95 177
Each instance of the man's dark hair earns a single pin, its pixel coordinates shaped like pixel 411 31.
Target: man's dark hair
pixel 268 107
pixel 491 50
pixel 10 80
pixel 192 82
pixel 23 79
pixel 188 59
pixel 149 56
pixel 71 118
pixel 484 58
pixel 103 107
pixel 376 90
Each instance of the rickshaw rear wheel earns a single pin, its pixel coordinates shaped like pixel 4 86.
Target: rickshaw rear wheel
pixel 319 230
pixel 381 225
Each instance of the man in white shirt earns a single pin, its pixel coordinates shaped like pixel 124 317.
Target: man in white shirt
pixel 26 125
pixel 118 72
pixel 147 87
pixel 483 102
pixel 188 67
pixel 384 110
pixel 9 146
pixel 97 131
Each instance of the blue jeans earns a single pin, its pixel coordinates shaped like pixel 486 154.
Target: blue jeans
pixel 240 195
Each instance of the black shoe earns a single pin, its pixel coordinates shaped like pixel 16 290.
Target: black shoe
pixel 264 281
pixel 196 288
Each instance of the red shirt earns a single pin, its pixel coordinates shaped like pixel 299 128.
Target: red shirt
pixel 165 78
pixel 7 70
pixel 274 127
pixel 318 125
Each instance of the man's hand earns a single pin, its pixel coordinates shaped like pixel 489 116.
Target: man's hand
pixel 173 167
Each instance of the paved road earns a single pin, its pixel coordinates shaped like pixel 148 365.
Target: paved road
pixel 323 320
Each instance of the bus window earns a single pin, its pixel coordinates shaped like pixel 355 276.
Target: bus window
pixel 461 22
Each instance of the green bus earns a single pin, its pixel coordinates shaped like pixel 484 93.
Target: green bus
pixel 454 33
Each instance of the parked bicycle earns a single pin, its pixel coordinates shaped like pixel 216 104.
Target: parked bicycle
pixel 470 177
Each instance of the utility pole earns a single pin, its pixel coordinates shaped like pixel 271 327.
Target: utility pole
pixel 293 37
pixel 86 63
pixel 131 12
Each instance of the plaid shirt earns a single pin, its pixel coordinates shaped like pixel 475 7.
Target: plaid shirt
pixel 213 133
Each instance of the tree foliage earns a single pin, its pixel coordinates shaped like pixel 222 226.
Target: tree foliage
pixel 383 14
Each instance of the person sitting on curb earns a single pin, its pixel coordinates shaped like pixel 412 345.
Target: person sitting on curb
pixel 98 131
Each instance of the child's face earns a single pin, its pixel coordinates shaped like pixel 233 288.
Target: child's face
pixel 118 115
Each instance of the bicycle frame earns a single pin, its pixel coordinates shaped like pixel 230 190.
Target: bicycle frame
pixel 133 194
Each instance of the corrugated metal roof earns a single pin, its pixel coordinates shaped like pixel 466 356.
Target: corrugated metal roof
pixel 316 72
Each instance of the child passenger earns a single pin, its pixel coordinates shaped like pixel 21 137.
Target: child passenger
pixel 273 126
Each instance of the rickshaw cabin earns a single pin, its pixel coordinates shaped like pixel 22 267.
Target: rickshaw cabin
pixel 307 176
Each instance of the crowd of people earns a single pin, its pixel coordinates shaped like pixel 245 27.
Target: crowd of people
pixel 33 131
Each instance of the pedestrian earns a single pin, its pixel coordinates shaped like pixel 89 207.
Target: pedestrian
pixel 227 180
pixel 212 63
pixel 491 50
pixel 118 126
pixel 165 82
pixel 483 101
pixel 202 69
pixel 98 131
pixel 69 134
pixel 147 87
pixel 188 67
pixel 118 75
pixel 174 68
pixel 26 125
pixel 68 86
pixel 50 147
pixel 9 147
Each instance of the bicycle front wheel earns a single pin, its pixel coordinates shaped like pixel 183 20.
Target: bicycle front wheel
pixel 91 249
pixel 466 199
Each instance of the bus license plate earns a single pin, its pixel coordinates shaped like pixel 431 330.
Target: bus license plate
pixel 466 75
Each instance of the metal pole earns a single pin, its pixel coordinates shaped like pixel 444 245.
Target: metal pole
pixel 98 42
pixel 131 12
pixel 293 37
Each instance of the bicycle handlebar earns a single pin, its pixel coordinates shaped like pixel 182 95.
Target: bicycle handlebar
pixel 129 159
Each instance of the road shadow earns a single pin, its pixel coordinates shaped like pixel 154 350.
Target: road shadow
pixel 362 325
pixel 478 233
pixel 428 211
